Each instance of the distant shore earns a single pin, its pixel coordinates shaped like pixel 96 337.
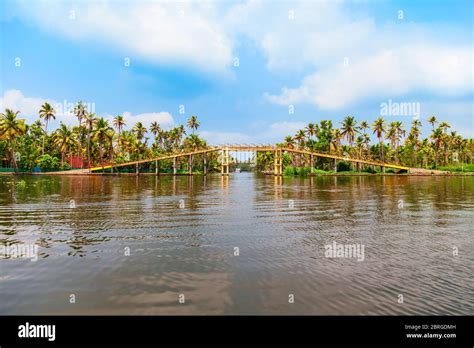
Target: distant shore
pixel 71 173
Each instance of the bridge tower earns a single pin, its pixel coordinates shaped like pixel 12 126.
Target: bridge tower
pixel 225 161
pixel 278 162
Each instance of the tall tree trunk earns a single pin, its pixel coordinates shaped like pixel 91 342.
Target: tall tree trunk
pixel 44 135
pixel 381 149
pixel 15 165
pixel 89 149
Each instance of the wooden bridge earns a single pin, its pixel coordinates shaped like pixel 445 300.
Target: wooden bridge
pixel 225 159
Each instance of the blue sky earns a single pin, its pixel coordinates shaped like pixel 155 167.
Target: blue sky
pixel 240 66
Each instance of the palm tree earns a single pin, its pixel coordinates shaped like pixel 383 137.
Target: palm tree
pixel 64 138
pixel 193 123
pixel 155 128
pixel 119 123
pixel 139 130
pixel 413 138
pixel 349 129
pixel 391 135
pixel 437 137
pixel 47 113
pixel 80 111
pixel 379 129
pixel 10 129
pixel 101 134
pixel 398 125
pixel 433 121
pixel 289 142
pixel 311 130
pixel 300 137
pixel 110 134
pixel 89 121
pixel 336 137
pixel 193 142
pixel 364 125
pixel 126 140
pixel 360 144
pixel 444 126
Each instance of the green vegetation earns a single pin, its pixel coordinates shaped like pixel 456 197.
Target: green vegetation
pixel 46 161
pixel 468 168
pixel 439 150
pixel 95 142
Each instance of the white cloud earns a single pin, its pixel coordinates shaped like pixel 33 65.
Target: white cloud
pixel 390 73
pixel 29 107
pixel 15 100
pixel 219 138
pixel 353 58
pixel 29 110
pixel 282 129
pixel 385 59
pixel 164 119
pixel 161 32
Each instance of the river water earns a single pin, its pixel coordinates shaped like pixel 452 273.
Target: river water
pixel 246 244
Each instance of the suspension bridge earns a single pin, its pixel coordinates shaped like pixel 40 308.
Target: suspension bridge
pixel 225 159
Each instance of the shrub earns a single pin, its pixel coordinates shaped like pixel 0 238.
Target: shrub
pixel 47 162
pixel 289 171
pixel 369 170
pixel 344 167
pixel 304 171
pixel 458 168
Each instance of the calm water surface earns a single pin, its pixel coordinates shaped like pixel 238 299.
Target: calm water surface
pixel 408 225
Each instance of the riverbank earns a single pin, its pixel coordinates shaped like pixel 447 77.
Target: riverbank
pixel 83 173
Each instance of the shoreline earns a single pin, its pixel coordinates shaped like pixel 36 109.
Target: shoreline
pixel 266 174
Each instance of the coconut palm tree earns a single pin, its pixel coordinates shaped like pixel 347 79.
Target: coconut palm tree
pixel 155 128
pixel 311 130
pixel 89 121
pixel 64 139
pixel 413 139
pixel 366 141
pixel 80 110
pixel 10 129
pixel 360 144
pixel 364 125
pixel 119 123
pixel 289 142
pixel 101 134
pixel 379 129
pixel 349 129
pixel 336 137
pixel 392 136
pixel 444 126
pixel 432 120
pixel 193 123
pixel 139 130
pixel 437 136
pixel 300 137
pixel 193 142
pixel 47 113
pixel 398 125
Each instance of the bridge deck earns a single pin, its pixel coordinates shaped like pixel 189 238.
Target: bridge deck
pixel 250 148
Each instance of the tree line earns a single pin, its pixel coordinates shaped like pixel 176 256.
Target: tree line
pixel 395 144
pixel 97 141
pixel 94 139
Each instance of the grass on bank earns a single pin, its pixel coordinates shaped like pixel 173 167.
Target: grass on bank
pixel 342 168
pixel 469 168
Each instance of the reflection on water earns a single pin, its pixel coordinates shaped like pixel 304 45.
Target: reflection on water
pixel 132 245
